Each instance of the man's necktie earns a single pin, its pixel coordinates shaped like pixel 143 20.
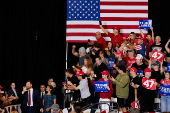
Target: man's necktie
pixel 29 98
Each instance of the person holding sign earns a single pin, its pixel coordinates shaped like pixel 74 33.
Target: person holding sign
pixel 122 87
pixel 146 88
pixel 165 99
pixel 104 96
pixel 133 91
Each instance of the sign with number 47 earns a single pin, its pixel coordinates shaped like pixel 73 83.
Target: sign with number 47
pixel 149 83
pixel 157 55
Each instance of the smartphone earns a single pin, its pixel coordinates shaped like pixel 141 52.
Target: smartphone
pixel 88 40
pixel 100 23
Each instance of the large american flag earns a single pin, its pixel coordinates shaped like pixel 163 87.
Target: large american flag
pixel 83 17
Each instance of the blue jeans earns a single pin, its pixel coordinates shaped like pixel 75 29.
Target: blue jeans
pixel 165 103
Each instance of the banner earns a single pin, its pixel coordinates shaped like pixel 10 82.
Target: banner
pixel 149 83
pixel 157 55
pixel 145 24
pixel 139 73
pixel 111 62
pixel 164 90
pixel 136 104
pixel 168 67
pixel 100 86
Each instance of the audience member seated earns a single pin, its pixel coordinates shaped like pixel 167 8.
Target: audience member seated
pixel 14 93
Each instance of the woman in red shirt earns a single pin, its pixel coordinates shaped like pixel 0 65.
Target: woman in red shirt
pixel 104 96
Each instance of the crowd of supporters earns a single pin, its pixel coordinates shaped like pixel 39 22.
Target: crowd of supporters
pixel 132 65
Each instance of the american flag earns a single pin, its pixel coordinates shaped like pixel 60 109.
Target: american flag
pixel 83 17
pixel 138 47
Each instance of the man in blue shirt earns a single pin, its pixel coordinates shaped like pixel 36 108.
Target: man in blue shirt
pixel 140 48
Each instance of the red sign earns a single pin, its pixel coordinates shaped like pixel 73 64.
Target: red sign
pixel 149 83
pixel 157 55
pixel 135 104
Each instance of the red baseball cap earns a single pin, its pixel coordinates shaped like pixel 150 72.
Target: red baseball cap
pixel 133 69
pixel 116 28
pixel 119 53
pixel 147 70
pixel 125 38
pixel 140 37
pixel 105 72
pixel 80 73
pixel 1 87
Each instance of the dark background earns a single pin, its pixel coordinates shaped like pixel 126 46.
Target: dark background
pixel 23 57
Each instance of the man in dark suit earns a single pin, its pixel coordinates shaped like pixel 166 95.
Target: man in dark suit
pixel 31 99
pixel 14 93
pixel 100 67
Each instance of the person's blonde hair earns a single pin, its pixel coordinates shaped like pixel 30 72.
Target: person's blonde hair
pixel 133 33
pixel 53 83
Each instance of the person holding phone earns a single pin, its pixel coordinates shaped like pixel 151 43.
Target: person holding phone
pixel 122 87
pixel 100 40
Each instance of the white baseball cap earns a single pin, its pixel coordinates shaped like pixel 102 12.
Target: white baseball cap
pixel 139 56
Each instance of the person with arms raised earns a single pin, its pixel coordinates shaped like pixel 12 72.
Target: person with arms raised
pixel 116 38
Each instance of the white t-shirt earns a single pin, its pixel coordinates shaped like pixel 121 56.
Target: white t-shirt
pixel 84 89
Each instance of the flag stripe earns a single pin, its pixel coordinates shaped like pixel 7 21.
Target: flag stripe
pixel 88 30
pixel 126 19
pixel 122 11
pixel 124 7
pixel 124 0
pixel 124 3
pixel 145 15
pixel 103 22
pixel 93 34
pixel 106 27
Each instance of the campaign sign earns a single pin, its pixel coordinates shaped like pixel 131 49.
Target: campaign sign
pixel 164 90
pixel 139 73
pixel 100 86
pixel 149 83
pixel 157 55
pixel 168 67
pixel 145 24
pixel 111 62
pixel 136 104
